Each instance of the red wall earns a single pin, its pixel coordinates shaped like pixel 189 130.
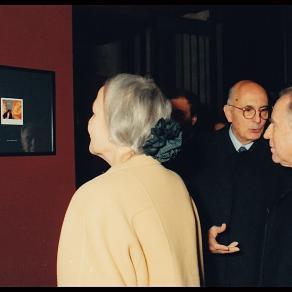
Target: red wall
pixel 35 190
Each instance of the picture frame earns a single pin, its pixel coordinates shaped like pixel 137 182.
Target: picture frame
pixel 27 108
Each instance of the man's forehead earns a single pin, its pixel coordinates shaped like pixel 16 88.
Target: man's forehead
pixel 280 106
pixel 252 100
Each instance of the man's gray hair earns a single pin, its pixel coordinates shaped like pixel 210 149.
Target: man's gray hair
pixel 287 91
pixel 133 105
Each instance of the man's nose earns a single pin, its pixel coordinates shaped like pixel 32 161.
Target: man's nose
pixel 267 133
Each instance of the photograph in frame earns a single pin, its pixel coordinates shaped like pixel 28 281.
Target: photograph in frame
pixel 27 124
pixel 11 111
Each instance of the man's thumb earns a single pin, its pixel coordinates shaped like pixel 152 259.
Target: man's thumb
pixel 223 227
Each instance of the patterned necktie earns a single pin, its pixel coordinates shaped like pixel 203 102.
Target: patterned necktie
pixel 241 149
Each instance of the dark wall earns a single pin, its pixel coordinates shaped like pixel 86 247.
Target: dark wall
pixel 253 45
pixel 35 190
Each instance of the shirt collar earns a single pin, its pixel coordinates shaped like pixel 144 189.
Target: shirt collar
pixel 235 141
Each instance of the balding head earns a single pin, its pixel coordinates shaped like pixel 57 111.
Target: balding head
pixel 245 87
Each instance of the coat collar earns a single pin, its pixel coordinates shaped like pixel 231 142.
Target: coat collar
pixel 134 161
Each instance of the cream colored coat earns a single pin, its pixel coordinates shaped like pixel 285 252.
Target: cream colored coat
pixel 135 225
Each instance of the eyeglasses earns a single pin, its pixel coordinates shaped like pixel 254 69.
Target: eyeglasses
pixel 249 112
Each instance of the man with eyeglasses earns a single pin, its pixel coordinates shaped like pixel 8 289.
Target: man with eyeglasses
pixel 234 187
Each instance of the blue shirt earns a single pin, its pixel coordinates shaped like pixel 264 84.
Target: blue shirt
pixel 235 141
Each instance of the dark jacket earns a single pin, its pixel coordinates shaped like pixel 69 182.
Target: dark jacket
pixel 187 162
pixel 277 253
pixel 236 189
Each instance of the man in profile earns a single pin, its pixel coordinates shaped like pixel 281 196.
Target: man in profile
pixel 277 263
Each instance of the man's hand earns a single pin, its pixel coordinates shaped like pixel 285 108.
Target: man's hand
pixel 215 247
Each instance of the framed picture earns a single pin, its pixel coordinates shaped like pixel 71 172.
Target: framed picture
pixel 27 107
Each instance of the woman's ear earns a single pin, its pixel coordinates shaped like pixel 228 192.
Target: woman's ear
pixel 227 112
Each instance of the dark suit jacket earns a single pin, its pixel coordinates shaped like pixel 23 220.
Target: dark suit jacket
pixel 187 162
pixel 277 263
pixel 236 189
pixel 8 115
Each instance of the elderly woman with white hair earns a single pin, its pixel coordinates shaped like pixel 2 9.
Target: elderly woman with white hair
pixel 134 225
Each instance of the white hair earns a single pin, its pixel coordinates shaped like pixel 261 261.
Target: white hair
pixel 133 105
pixel 288 91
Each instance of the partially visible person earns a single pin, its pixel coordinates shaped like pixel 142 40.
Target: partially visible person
pixel 234 187
pixel 35 136
pixel 17 109
pixel 277 264
pixel 6 112
pixel 220 122
pixel 219 125
pixel 28 137
pixel 185 110
pixel 134 225
pixel 279 132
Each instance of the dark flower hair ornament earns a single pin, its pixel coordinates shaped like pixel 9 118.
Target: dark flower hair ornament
pixel 164 141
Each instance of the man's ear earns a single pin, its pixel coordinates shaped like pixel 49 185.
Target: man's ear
pixel 227 112
pixel 194 120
